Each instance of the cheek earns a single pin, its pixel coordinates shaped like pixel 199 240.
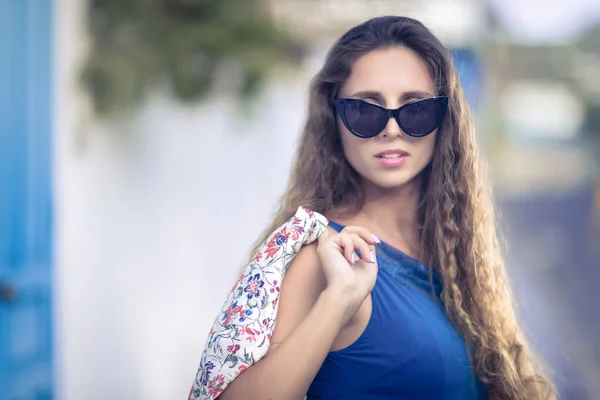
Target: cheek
pixel 353 147
pixel 428 147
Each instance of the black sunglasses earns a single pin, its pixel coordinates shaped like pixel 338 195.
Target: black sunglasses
pixel 418 118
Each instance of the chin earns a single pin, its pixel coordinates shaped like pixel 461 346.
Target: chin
pixel 392 181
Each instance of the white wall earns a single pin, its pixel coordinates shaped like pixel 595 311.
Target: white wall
pixel 153 221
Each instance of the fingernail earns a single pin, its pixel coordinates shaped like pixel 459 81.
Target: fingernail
pixel 375 238
pixel 372 256
pixel 353 258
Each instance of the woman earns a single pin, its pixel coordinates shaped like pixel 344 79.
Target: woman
pixel 405 294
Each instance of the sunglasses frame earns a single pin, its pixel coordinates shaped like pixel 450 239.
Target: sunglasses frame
pixel 340 107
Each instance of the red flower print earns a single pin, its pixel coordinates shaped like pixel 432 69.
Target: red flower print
pixel 249 331
pixel 215 386
pixel 233 348
pixel 242 368
pixel 230 312
pixel 271 251
pixel 297 230
pixel 257 257
pixel 294 234
pixel 275 244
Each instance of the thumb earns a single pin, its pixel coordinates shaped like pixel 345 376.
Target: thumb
pixel 323 236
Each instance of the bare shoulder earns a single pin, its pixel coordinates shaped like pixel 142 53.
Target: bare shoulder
pixel 305 272
pixel 302 284
pixel 305 275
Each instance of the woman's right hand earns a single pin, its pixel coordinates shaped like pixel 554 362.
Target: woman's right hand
pixel 348 275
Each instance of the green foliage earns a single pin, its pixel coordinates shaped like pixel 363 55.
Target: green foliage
pixel 139 45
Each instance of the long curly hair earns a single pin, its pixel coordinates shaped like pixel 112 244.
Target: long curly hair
pixel 457 215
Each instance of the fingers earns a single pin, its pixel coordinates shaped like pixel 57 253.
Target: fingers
pixel 358 244
pixel 364 234
pixel 355 243
pixel 355 248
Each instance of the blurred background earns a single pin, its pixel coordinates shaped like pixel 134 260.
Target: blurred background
pixel 144 145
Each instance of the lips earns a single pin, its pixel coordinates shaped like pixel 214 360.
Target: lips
pixel 390 154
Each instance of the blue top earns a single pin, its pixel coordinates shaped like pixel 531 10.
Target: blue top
pixel 409 349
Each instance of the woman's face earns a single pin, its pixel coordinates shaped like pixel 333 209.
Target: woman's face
pixel 389 77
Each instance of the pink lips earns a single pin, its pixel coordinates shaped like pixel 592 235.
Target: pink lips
pixel 392 158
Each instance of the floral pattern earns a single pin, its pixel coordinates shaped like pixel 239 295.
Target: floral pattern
pixel 241 335
pixel 253 286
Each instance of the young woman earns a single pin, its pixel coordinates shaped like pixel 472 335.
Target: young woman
pixel 405 295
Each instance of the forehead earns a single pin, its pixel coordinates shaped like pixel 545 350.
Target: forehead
pixel 391 72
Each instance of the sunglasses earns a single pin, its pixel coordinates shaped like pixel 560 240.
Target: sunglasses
pixel 417 119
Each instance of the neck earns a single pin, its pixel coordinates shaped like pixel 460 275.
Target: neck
pixel 394 214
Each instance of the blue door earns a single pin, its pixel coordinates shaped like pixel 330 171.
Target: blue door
pixel 25 200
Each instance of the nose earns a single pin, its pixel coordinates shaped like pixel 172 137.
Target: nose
pixel 392 129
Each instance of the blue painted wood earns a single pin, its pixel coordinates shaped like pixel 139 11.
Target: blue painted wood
pixel 26 199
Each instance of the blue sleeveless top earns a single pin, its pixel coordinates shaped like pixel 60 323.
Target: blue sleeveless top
pixel 409 349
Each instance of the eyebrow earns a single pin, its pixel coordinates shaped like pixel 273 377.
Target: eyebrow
pixel 405 96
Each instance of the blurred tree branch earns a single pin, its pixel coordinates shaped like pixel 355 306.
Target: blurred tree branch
pixel 138 45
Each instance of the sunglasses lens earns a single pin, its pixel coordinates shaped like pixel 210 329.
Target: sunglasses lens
pixel 364 119
pixel 422 117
